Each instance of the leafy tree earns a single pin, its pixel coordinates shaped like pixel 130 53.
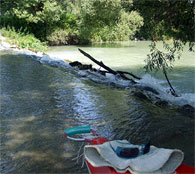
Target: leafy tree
pixel 166 19
pixel 39 16
pixel 174 19
pixel 44 14
pixel 107 20
pixel 73 21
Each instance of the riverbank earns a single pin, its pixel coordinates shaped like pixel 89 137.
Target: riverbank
pixel 5 46
pixel 23 39
pixel 39 56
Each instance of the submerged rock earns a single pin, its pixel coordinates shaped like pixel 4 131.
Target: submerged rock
pixel 52 62
pixel 187 110
pixel 85 67
pixel 146 94
pixel 148 89
pixel 139 94
pixel 80 65
pixel 46 60
pixel 75 63
pixel 161 103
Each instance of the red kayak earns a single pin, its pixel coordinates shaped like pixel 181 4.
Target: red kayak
pixel 182 169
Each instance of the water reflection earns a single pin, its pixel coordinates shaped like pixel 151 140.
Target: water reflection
pixel 39 102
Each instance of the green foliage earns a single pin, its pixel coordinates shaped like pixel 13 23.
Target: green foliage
pixel 106 20
pixel 23 39
pixel 58 37
pixel 73 21
pixel 40 17
pixel 83 21
pixel 35 11
pixel 128 25
pixel 166 19
pixel 96 17
pixel 161 59
pixel 62 37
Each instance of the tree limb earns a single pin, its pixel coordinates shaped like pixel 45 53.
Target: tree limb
pixel 131 74
pixel 105 67
pixel 172 90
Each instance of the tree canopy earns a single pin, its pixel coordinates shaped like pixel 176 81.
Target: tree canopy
pixel 77 21
pixel 165 19
pixel 73 21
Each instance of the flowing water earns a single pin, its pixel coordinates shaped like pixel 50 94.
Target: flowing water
pixel 130 56
pixel 38 102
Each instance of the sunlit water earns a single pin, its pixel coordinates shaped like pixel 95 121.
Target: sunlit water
pixel 38 102
pixel 130 56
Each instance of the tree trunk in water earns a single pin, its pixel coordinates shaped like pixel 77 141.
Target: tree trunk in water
pixel 101 64
pixel 172 90
pixel 131 74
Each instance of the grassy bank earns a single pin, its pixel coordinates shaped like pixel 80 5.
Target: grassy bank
pixel 23 40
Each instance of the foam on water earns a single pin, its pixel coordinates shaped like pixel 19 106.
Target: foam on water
pixel 189 98
pixel 162 87
pixel 147 80
pixel 108 79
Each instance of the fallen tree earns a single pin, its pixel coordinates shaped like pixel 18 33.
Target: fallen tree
pixel 109 70
pixel 171 88
pixel 122 73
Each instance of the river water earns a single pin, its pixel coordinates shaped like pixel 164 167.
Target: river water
pixel 130 56
pixel 38 102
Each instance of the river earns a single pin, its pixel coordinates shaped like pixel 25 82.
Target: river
pixel 130 56
pixel 38 102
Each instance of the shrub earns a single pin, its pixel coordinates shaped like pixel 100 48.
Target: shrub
pixel 63 37
pixel 23 39
pixel 106 20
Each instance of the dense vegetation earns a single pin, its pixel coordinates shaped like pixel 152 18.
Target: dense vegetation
pixel 23 39
pixel 166 20
pixel 83 21
pixel 73 22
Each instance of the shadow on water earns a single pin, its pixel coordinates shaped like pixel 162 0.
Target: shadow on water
pixel 165 127
pixel 32 121
pixel 38 102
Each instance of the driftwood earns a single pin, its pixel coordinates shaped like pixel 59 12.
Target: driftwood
pixel 101 64
pixel 131 74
